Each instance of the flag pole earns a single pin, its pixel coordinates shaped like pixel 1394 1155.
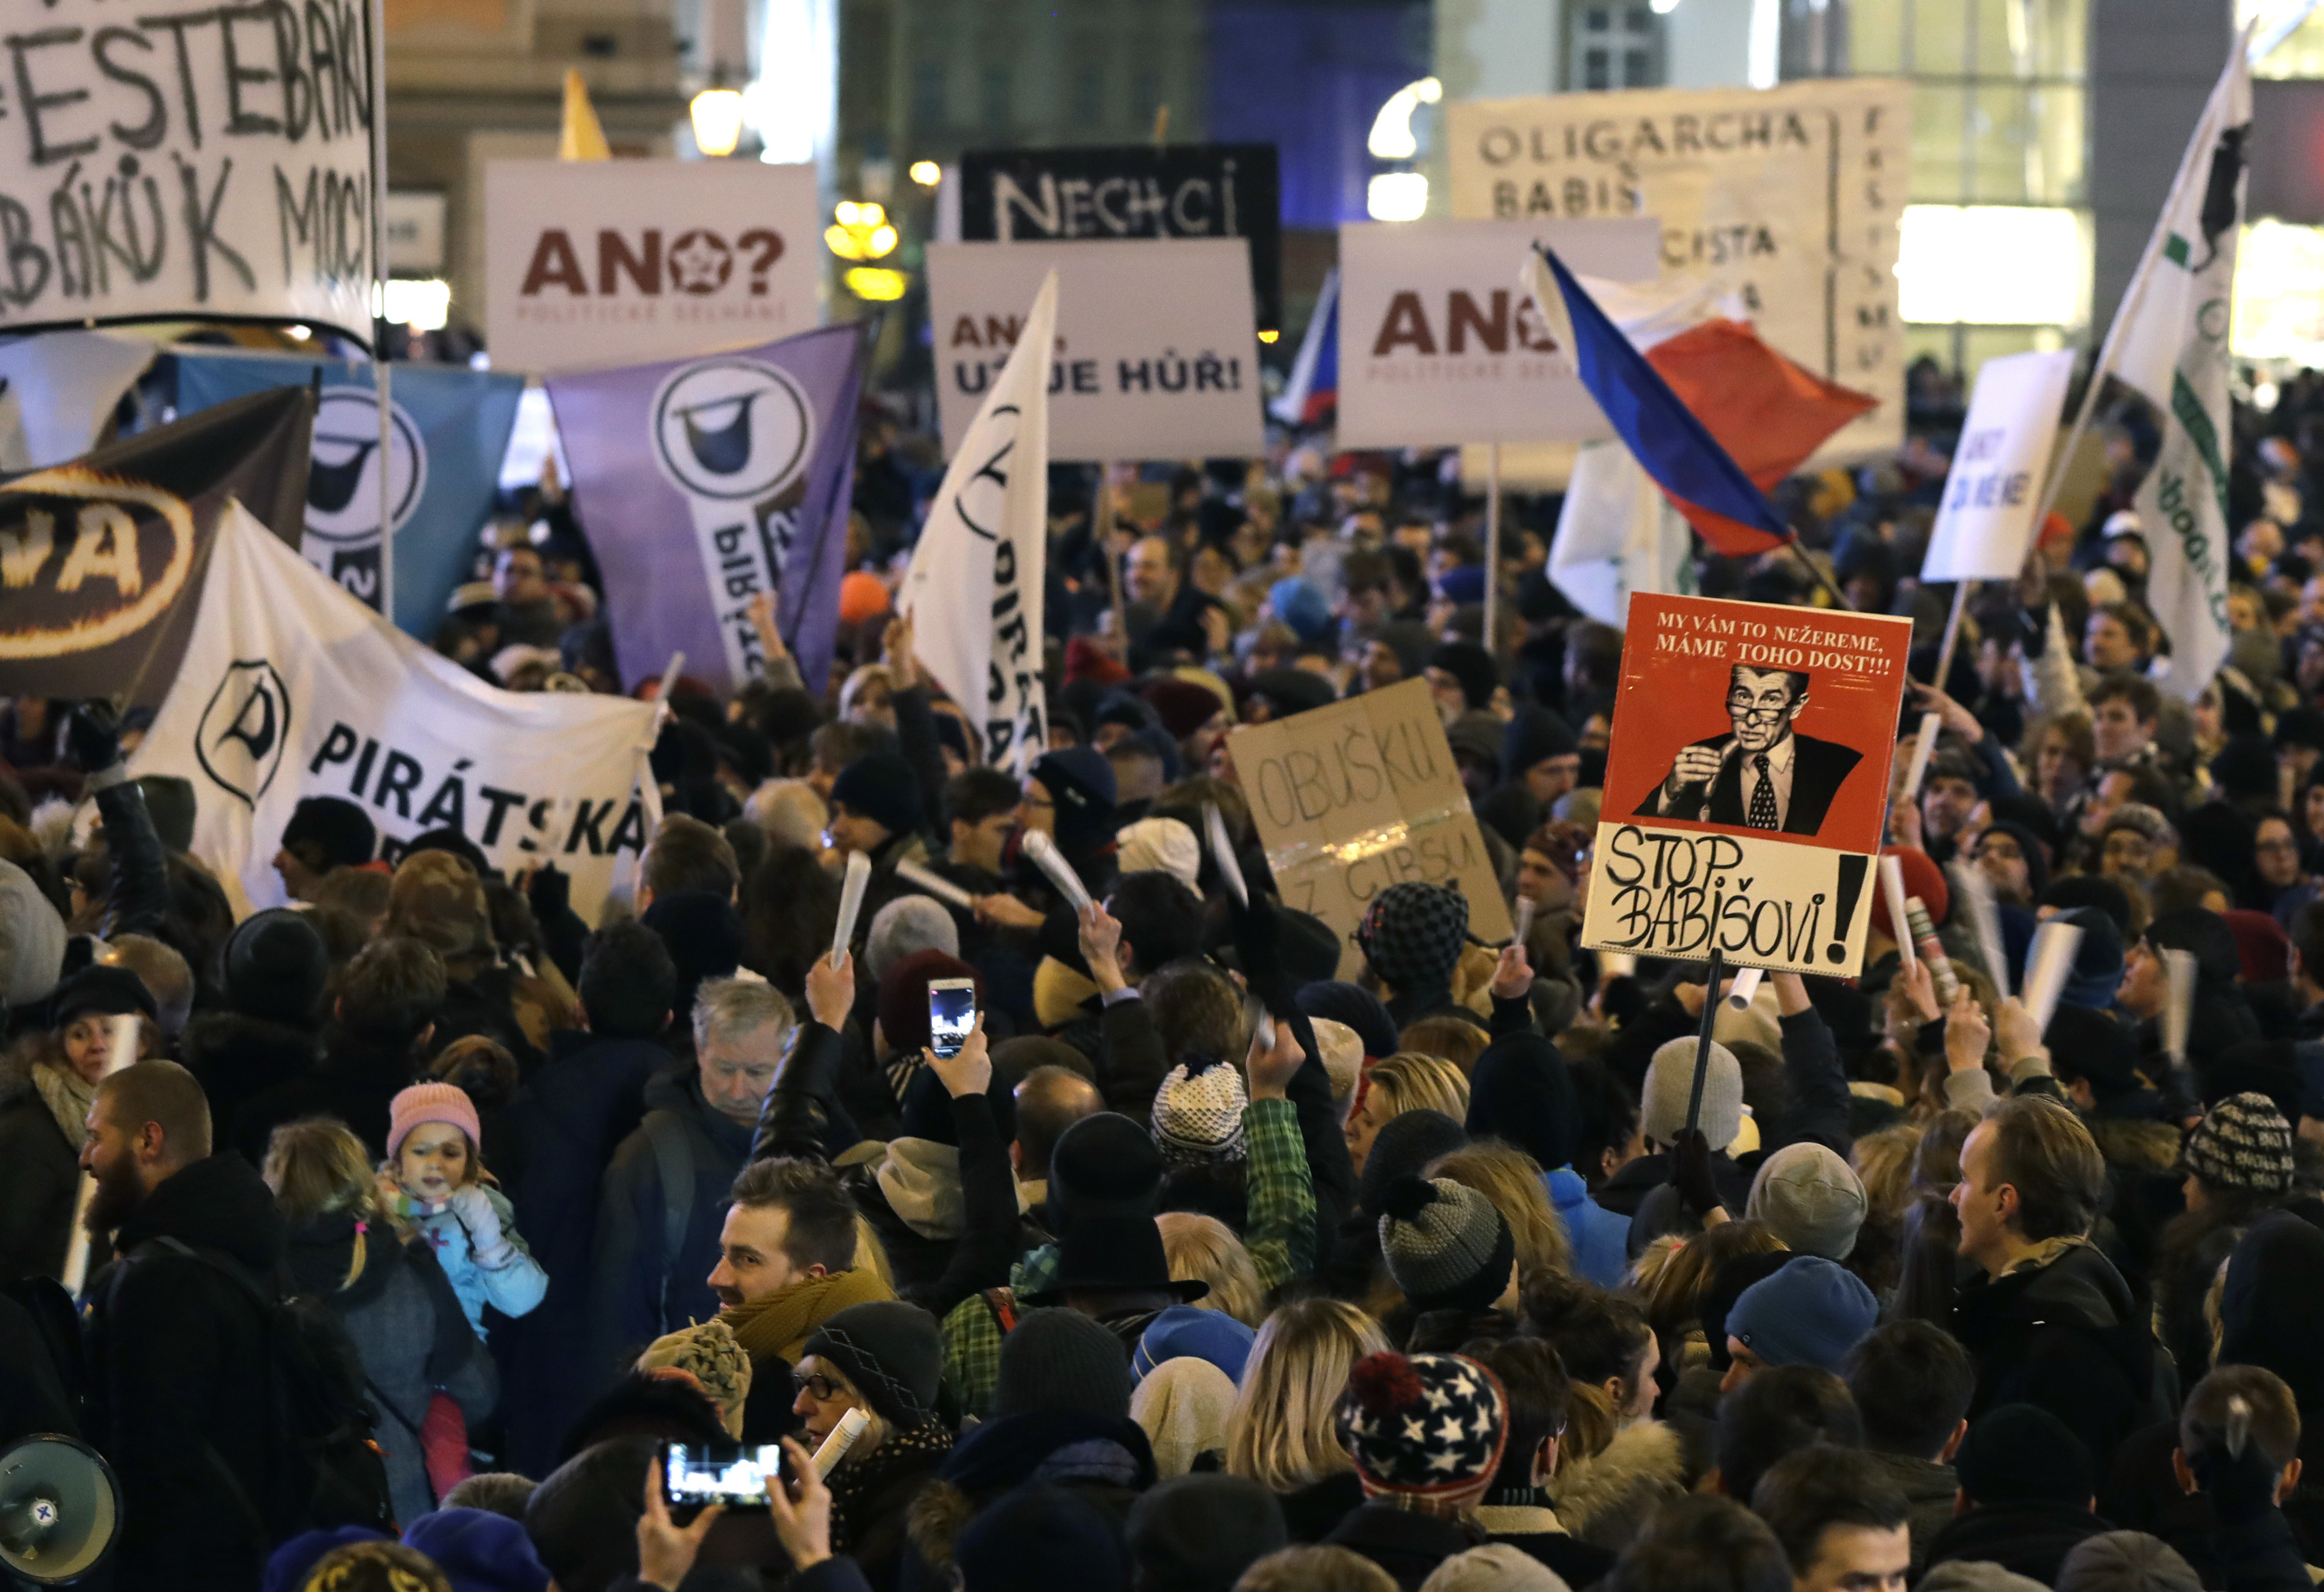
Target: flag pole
pixel 375 19
pixel 1953 634
pixel 1492 539
pixel 1103 516
pixel 1839 598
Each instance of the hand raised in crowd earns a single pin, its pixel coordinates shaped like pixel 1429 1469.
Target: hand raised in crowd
pixel 1921 989
pixel 1271 1070
pixel 475 1213
pixel 2021 1036
pixel 969 1070
pixel 1100 937
pixel 831 990
pixel 1008 911
pixel 93 736
pixel 1967 1035
pixel 1691 1174
pixel 1513 975
pixel 1951 715
pixel 1905 812
pixel 896 651
pixel 666 1550
pixel 762 620
pixel 798 1505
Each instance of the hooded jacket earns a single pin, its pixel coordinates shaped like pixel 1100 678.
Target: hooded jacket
pixel 237 1057
pixel 40 1173
pixel 2071 1336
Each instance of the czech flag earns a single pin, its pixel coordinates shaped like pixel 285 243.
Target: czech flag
pixel 1314 387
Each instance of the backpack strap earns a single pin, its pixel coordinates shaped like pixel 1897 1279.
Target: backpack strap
pixel 674 1162
pixel 1003 1304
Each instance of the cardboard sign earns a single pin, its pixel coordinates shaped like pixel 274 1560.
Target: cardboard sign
pixel 1987 524
pixel 1745 783
pixel 1788 197
pixel 199 163
pixel 1439 344
pixel 1133 190
pixel 591 264
pixel 1353 798
pixel 1154 359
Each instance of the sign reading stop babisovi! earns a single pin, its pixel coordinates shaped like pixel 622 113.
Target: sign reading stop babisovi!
pixel 594 263
pixel 1156 357
pixel 1745 783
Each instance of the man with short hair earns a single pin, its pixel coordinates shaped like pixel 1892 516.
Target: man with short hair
pixel 1763 776
pixel 1843 1527
pixel 2125 710
pixel 688 856
pixel 1701 1544
pixel 2025 1495
pixel 1049 1100
pixel 980 814
pixel 2049 1319
pixel 1949 794
pixel 1911 1382
pixel 1779 1410
pixel 182 1393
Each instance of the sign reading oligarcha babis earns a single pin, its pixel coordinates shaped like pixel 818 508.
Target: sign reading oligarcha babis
pixel 592 264
pixel 188 162
pixel 1745 783
pixel 1789 197
pixel 1352 798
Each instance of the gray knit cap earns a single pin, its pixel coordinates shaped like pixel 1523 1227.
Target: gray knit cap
pixel 2125 1561
pixel 31 939
pixel 1662 1104
pixel 1060 1359
pixel 1444 1243
pixel 1810 1199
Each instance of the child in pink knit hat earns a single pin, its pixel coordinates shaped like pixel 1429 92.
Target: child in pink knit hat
pixel 439 1190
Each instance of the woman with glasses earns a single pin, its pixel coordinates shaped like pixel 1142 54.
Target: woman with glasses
pixel 885 1359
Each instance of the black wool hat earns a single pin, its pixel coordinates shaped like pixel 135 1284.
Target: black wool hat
pixel 341 830
pixel 1356 1007
pixel 881 786
pixel 2023 1454
pixel 1105 1165
pixel 1199 1532
pixel 1534 735
pixel 276 966
pixel 1114 1255
pixel 1409 1141
pixel 105 991
pixel 1060 1359
pixel 892 1352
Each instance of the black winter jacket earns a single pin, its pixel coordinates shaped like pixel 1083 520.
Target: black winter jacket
pixel 2071 1336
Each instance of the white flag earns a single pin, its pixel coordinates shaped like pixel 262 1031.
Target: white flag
pixel 2174 349
pixel 63 386
pixel 290 688
pixel 976 587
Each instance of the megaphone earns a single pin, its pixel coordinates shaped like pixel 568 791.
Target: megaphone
pixel 60 1508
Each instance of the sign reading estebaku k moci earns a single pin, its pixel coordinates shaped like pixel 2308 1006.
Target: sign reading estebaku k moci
pixel 1746 784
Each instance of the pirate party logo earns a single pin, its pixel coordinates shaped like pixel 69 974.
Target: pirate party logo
pixel 244 729
pixel 732 430
pixel 343 484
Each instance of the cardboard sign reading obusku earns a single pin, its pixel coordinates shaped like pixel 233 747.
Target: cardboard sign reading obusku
pixel 198 163
pixel 592 264
pixel 1353 798
pixel 1987 524
pixel 1788 197
pixel 1156 354
pixel 1439 344
pixel 1746 783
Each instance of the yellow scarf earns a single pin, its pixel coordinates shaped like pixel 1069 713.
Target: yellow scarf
pixel 779 1324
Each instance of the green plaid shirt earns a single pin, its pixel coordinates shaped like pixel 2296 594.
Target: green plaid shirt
pixel 1281 1240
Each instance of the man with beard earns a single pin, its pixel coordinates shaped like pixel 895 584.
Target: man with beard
pixel 179 1388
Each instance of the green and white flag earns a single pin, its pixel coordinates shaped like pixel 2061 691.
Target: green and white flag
pixel 2172 348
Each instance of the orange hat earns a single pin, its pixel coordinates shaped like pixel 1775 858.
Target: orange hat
pixel 2055 527
pixel 862 596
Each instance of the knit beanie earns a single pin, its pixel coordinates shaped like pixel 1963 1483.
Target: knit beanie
pixel 903 1001
pixel 1190 1332
pixel 276 966
pixel 708 1353
pixel 1497 1567
pixel 1080 784
pixel 1301 604
pixel 288 1566
pixel 1669 1080
pixel 2090 1044
pixel 478 1550
pixel 881 787
pixel 2076 891
pixel 341 829
pixel 1469 663
pixel 907 924
pixel 1183 706
pixel 892 1352
pixel 1356 1007
pixel 1520 1091
pixel 2243 1144
pixel 1426 1424
pixel 2030 847
pixel 1198 1115
pixel 1159 845
pixel 1198 1533
pixel 1810 1199
pixel 1292 690
pixel 1409 1141
pixel 1104 1164
pixel 1060 1359
pixel 1444 1243
pixel 31 939
pixel 2125 1561
pixel 1413 934
pixel 1041 1539
pixel 1811 1312
pixel 1733 1279
pixel 1535 735
pixel 430 1102
pixel 2023 1454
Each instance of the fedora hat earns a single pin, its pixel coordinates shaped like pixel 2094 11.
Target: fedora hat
pixel 1115 1253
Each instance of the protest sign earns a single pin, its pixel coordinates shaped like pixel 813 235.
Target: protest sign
pixel 1132 191
pixel 756 451
pixel 1788 197
pixel 449 429
pixel 60 390
pixel 1353 798
pixel 1154 359
pixel 289 688
pixel 1440 345
pixel 101 560
pixel 1747 783
pixel 589 264
pixel 200 163
pixel 1987 522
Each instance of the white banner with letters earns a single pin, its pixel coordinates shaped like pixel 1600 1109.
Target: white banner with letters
pixel 1789 197
pixel 290 688
pixel 594 263
pixel 1155 356
pixel 1986 526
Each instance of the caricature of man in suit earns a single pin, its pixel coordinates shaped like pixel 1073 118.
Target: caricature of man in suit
pixel 1762 776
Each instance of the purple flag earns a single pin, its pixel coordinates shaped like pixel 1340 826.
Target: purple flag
pixel 705 482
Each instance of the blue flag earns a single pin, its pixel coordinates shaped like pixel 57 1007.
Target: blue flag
pixel 450 430
pixel 1685 458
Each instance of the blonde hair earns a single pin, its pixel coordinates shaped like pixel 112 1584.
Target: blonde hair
pixel 1883 1162
pixel 1455 1039
pixel 1673 1301
pixel 1410 1081
pixel 1204 1249
pixel 870 1255
pixel 1281 1433
pixel 320 1168
pixel 791 812
pixel 1511 1180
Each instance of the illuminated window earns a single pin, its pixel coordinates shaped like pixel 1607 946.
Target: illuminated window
pixel 1994 265
pixel 2279 308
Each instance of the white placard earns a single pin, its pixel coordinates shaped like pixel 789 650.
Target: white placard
pixel 197 163
pixel 1155 353
pixel 1439 344
pixel 1987 524
pixel 1790 197
pixel 590 263
pixel 1657 890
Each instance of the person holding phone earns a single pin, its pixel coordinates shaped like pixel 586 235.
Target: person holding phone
pixel 798 1507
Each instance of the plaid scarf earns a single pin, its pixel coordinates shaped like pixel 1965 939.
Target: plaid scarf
pixel 856 1484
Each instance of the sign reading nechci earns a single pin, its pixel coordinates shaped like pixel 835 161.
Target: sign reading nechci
pixel 1154 356
pixel 198 163
pixel 591 264
pixel 1747 783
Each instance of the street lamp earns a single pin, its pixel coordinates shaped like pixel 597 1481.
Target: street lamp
pixel 716 114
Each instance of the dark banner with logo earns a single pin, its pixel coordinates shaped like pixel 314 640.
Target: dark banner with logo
pixel 101 558
pixel 1133 190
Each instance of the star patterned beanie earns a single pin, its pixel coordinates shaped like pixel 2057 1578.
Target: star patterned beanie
pixel 1427 1425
